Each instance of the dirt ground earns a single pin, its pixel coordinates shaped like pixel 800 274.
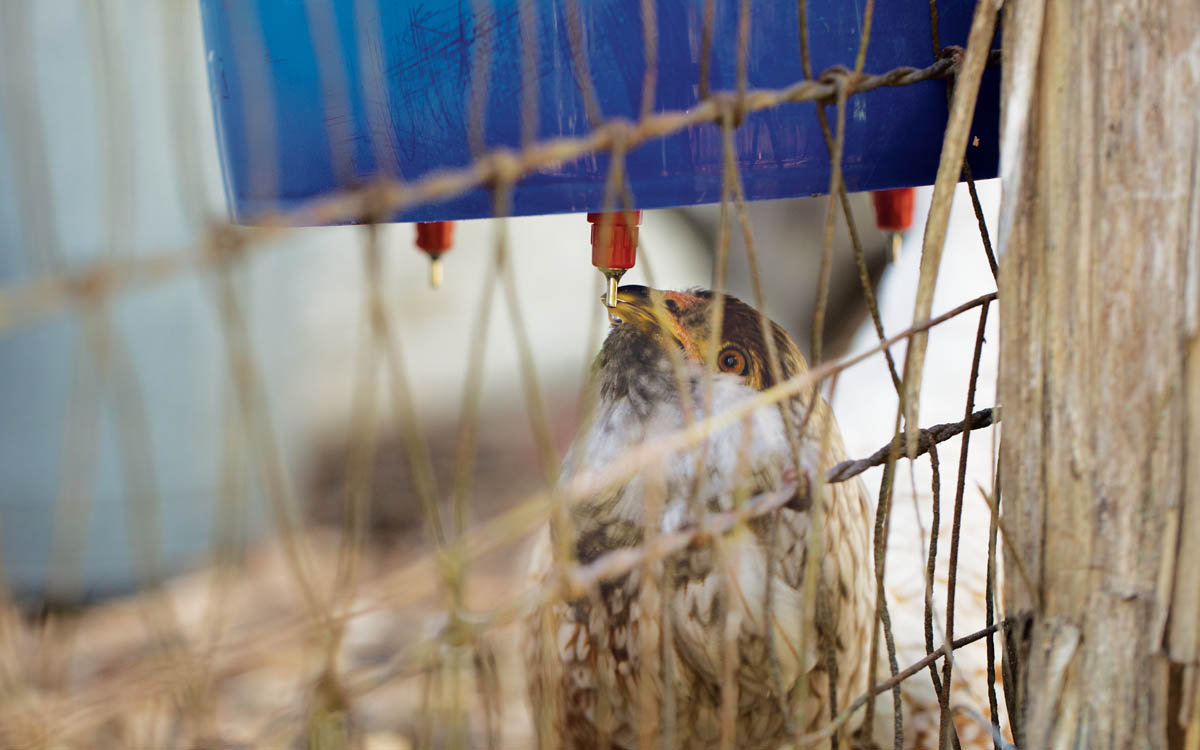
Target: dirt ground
pixel 233 658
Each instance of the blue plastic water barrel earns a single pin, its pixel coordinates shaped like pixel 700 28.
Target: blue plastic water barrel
pixel 315 95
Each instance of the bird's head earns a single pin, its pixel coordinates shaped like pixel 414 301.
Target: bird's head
pixel 646 322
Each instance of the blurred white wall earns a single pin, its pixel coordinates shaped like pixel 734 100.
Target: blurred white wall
pixel 865 401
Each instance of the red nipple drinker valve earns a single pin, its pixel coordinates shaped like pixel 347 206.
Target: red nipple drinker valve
pixel 614 246
pixel 894 213
pixel 435 238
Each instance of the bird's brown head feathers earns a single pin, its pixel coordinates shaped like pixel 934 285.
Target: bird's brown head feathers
pixel 647 320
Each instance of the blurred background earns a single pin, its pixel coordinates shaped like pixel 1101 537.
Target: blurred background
pixel 123 463
pixel 92 170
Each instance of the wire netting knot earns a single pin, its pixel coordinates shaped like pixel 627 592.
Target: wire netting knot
pixel 226 243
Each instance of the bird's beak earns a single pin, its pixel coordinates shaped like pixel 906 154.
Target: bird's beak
pixel 637 306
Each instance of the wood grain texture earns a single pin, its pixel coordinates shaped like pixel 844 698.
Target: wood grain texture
pixel 1098 375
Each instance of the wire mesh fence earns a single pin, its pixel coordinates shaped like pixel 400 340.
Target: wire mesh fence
pixel 181 663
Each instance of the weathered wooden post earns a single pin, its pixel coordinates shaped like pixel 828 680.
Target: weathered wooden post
pixel 1100 369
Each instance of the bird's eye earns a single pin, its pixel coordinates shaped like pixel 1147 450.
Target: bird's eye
pixel 732 360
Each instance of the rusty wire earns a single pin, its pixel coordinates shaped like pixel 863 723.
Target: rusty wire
pixel 946 727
